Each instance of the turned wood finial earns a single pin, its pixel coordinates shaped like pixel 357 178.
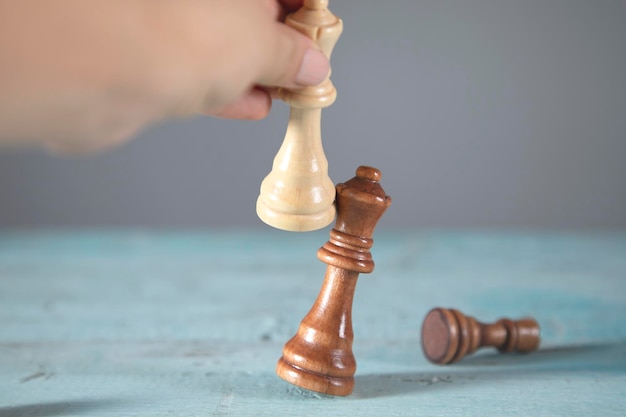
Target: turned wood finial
pixel 298 195
pixel 448 335
pixel 319 357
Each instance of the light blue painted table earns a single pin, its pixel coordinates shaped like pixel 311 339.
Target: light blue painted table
pixel 175 324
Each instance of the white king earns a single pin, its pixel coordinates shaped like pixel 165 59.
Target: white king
pixel 297 195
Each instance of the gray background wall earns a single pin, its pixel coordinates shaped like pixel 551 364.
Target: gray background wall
pixel 479 113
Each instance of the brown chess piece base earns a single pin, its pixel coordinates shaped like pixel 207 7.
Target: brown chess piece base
pixel 319 361
pixel 448 335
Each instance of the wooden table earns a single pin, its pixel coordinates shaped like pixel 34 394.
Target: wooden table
pixel 191 324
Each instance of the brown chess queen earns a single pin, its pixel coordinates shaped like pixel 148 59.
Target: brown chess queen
pixel 319 357
pixel 448 335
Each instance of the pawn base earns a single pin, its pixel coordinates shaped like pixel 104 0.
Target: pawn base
pixel 324 384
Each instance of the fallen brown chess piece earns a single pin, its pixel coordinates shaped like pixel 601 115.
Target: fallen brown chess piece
pixel 448 335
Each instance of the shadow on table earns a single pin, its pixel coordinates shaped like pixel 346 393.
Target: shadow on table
pixel 490 367
pixel 59 408
pixel 570 354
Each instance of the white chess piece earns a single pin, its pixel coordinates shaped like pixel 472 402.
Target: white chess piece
pixel 298 195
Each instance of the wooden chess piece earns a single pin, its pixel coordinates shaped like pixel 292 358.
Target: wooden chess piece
pixel 319 357
pixel 298 195
pixel 448 335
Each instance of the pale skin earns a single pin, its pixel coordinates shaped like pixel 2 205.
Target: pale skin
pixel 83 75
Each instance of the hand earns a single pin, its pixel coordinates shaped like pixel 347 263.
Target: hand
pixel 80 75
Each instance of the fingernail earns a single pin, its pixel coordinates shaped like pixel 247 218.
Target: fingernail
pixel 314 68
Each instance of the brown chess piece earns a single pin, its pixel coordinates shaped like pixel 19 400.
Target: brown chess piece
pixel 448 335
pixel 319 357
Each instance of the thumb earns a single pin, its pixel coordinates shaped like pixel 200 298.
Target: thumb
pixel 292 60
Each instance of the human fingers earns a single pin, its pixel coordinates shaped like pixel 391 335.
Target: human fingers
pixel 253 105
pixel 272 91
pixel 291 5
pixel 291 60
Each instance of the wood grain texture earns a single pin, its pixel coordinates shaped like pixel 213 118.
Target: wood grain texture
pixel 190 324
pixel 319 357
pixel 449 335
